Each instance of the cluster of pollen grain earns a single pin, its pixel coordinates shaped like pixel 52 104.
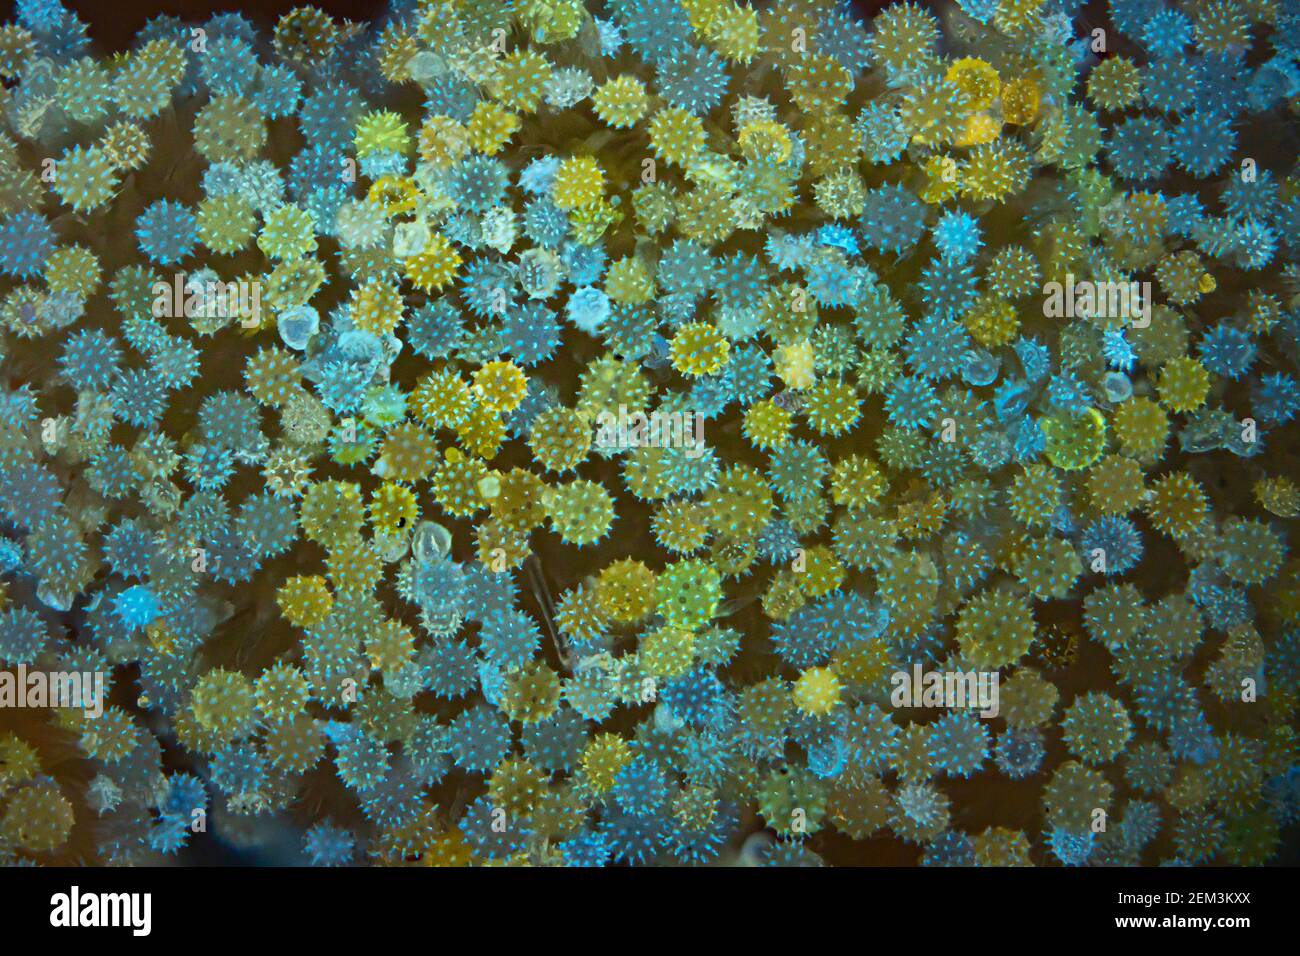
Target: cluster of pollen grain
pixel 622 396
